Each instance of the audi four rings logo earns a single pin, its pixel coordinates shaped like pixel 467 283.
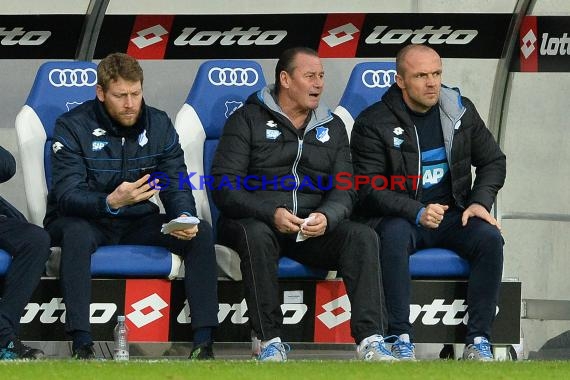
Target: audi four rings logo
pixel 233 76
pixel 73 77
pixel 378 78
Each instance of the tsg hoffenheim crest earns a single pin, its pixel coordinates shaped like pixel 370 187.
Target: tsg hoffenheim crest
pixel 323 134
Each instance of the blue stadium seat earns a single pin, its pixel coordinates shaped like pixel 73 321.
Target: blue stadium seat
pixel 221 87
pixel 367 83
pixel 58 87
pixel 5 260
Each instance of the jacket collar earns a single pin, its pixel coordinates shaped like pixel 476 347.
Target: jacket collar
pixel 266 97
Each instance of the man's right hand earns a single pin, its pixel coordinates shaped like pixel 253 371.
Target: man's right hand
pixel 433 215
pixel 128 193
pixel 286 222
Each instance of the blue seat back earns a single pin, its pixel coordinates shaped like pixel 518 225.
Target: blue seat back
pixel 367 83
pixel 220 87
pixel 59 87
pixel 5 260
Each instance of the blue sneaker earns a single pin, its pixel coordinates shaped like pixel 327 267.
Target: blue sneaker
pixel 479 350
pixel 274 352
pixel 403 349
pixel 373 348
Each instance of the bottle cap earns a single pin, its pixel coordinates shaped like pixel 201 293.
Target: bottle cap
pixel 120 318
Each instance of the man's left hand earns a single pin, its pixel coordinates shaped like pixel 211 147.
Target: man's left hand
pixel 316 225
pixel 187 234
pixel 480 212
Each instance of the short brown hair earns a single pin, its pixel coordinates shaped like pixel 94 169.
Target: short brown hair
pixel 118 65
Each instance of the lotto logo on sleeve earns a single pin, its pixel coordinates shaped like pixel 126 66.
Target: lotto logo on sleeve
pixel 147 308
pixel 332 313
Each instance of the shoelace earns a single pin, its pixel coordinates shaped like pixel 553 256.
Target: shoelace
pixel 380 347
pixel 484 349
pixel 273 349
pixel 405 349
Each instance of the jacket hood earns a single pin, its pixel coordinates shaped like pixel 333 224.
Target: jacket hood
pixel 266 98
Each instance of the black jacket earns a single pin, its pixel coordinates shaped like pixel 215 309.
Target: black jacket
pixel 7 171
pixel 91 156
pixel 468 142
pixel 260 141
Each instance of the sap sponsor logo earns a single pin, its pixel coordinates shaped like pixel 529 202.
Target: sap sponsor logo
pixel 54 311
pixel 438 312
pixel 429 34
pixel 433 174
pixel 96 146
pixel 555 45
pixel 18 36
pixel 293 313
pixel 237 35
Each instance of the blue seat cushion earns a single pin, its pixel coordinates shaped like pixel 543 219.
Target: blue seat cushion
pixel 290 268
pixel 438 262
pixel 131 260
pixel 5 260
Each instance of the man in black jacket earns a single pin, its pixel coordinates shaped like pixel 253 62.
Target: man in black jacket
pixel 274 175
pixel 29 246
pixel 421 130
pixel 102 153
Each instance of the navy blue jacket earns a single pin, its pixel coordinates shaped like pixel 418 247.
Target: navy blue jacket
pixel 91 155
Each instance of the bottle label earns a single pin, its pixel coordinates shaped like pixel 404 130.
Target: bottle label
pixel 121 355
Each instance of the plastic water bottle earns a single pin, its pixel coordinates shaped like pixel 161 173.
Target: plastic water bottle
pixel 121 334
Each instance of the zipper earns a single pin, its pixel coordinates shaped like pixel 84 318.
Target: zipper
pixel 419 162
pixel 295 174
pixel 124 160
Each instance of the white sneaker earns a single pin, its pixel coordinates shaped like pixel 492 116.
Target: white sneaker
pixel 274 351
pixel 480 350
pixel 373 348
pixel 403 349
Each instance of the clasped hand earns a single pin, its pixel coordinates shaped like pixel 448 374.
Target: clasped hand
pixel 288 223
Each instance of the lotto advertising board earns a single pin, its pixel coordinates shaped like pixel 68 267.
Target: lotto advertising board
pixel 314 311
pixel 544 45
pixel 346 35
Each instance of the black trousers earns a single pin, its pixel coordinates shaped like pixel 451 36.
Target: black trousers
pixel 29 246
pixel 351 248
pixel 480 243
pixel 79 238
